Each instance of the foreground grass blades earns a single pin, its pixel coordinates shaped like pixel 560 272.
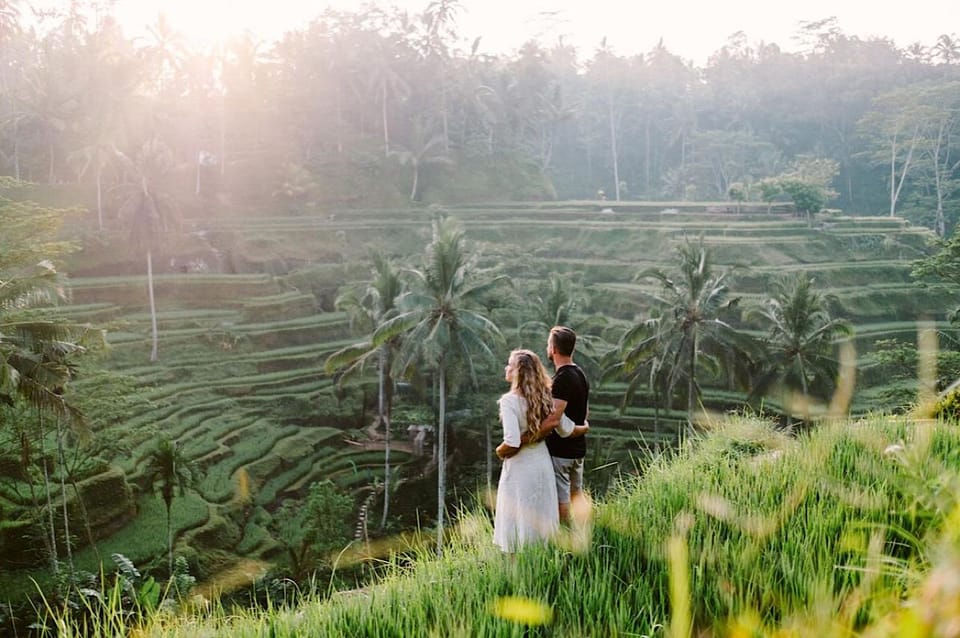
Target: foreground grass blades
pixel 744 531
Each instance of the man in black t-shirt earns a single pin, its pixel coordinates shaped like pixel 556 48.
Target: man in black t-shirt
pixel 571 395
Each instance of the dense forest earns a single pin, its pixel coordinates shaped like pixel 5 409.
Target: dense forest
pixel 378 106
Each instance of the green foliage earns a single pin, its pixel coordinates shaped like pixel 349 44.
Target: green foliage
pixel 770 189
pixel 798 348
pixel 737 192
pixel 37 349
pixel 948 407
pixel 31 232
pixel 313 529
pixel 686 328
pixel 807 198
pixel 893 359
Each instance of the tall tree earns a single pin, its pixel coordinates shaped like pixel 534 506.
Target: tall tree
pixel 938 166
pixel 440 18
pixel 149 211
pixel 689 320
pixel 798 348
pixel 947 48
pixel 895 127
pixel 386 82
pixel 37 350
pixel 640 358
pixel 369 310
pixel 443 323
pixel 610 72
pixel 113 76
pixel 169 471
pixel 423 149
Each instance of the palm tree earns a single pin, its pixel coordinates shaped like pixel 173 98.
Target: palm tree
pixel 170 471
pixel 947 48
pixel 370 310
pixel 440 17
pixel 35 353
pixel 442 322
pixel 95 156
pixel 148 211
pixel 557 304
pixel 800 340
pixel 166 52
pixel 553 307
pixel 386 82
pixel 9 16
pixel 425 148
pixel 35 367
pixel 689 308
pixel 640 358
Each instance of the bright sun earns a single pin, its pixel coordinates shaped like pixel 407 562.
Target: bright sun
pixel 206 22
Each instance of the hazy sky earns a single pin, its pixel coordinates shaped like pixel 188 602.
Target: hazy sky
pixel 693 30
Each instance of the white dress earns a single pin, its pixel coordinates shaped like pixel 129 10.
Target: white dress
pixel 527 495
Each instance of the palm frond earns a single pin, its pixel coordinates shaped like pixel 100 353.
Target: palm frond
pixel 349 356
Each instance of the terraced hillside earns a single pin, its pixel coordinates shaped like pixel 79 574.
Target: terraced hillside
pixel 246 319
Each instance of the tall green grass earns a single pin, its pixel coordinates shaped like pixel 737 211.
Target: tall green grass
pixel 739 533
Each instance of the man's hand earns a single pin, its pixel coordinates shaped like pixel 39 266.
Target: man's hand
pixel 505 451
pixel 549 424
pixel 580 430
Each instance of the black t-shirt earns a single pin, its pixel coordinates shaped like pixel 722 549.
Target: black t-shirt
pixel 570 385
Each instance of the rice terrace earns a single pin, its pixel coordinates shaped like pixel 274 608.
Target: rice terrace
pixel 256 302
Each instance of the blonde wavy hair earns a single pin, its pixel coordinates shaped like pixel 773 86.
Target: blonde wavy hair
pixel 532 382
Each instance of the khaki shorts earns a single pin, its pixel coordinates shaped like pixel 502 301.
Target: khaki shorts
pixel 569 475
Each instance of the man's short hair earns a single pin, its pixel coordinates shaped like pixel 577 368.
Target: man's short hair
pixel 564 340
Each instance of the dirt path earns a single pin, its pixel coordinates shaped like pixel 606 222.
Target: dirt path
pixel 399 446
pixel 242 573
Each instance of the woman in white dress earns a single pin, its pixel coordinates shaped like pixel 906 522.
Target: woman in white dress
pixel 527 495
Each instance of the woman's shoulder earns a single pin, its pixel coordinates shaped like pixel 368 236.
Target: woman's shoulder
pixel 510 398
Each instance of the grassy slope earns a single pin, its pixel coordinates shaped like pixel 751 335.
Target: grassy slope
pixel 780 532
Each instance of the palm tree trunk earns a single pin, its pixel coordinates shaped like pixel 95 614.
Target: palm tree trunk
pixel 16 150
pixel 416 181
pixel 656 413
pixel 385 420
pixel 893 178
pixel 85 516
pixel 339 119
pixel 787 408
pixel 49 536
pixel 383 112
pixel 442 458
pixel 99 198
pixel 196 190
pixel 692 380
pixel 46 487
pixel 443 109
pixel 434 382
pixel 50 175
pixel 63 494
pixel 153 309
pixel 647 154
pixel 613 150
pixel 169 540
pixel 223 135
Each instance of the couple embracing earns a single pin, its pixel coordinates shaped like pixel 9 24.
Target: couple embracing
pixel 544 423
